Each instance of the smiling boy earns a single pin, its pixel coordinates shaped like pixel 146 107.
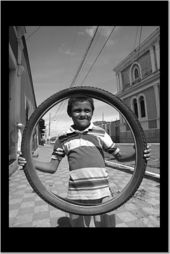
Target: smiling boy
pixel 84 144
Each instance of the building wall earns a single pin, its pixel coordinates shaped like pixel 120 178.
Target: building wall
pixel 125 78
pixel 27 98
pixel 145 63
pixel 139 75
pixel 20 88
pixel 150 103
pixel 115 131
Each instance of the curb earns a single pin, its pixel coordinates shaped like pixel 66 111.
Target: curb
pixel 128 169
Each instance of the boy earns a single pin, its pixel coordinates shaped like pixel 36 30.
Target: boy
pixel 84 144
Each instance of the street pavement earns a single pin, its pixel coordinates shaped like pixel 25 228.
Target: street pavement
pixel 27 209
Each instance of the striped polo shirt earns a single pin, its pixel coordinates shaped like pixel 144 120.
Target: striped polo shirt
pixel 84 149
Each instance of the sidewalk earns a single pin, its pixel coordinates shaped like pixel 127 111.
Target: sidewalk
pixel 27 209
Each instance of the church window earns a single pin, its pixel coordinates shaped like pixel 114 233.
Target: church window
pixel 136 73
pixel 135 106
pixel 142 106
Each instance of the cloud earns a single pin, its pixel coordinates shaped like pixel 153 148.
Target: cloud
pixel 66 51
pixel 69 52
pixel 104 32
pixel 81 33
pixel 90 31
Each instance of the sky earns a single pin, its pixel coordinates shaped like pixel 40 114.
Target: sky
pixel 56 52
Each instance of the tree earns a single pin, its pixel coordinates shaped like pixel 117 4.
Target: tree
pixel 42 127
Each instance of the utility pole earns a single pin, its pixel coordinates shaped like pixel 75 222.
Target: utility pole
pixel 102 117
pixel 103 125
pixel 49 126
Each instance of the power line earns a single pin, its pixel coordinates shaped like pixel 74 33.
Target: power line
pixel 139 41
pixel 135 38
pixel 98 55
pixel 83 60
pixel 81 64
pixel 32 33
pixel 84 57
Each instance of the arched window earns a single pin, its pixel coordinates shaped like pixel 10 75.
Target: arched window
pixel 142 106
pixel 135 106
pixel 136 73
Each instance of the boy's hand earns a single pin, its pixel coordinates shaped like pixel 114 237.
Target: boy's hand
pixel 21 161
pixel 146 153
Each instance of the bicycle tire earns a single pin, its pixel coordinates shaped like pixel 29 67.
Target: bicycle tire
pixel 62 203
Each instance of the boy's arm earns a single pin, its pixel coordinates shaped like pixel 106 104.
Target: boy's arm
pixel 47 167
pixel 130 157
pixel 110 147
pixel 57 155
pixel 124 158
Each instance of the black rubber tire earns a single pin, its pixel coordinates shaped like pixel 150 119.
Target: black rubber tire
pixel 64 204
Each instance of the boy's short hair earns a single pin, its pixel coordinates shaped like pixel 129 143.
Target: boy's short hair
pixel 74 99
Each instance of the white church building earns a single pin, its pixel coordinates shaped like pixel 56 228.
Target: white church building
pixel 138 85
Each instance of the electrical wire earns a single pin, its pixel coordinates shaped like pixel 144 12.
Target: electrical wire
pixel 32 33
pixel 81 64
pixel 139 42
pixel 135 39
pixel 93 62
pixel 84 57
pixel 83 60
pixel 92 48
pixel 98 55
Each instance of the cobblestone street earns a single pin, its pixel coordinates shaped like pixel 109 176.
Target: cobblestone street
pixel 27 209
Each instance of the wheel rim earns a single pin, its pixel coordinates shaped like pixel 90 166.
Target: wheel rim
pixel 63 203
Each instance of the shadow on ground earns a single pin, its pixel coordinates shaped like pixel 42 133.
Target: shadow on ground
pixel 64 222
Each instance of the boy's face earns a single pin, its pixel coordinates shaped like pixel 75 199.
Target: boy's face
pixel 81 114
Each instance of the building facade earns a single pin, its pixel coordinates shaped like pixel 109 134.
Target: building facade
pixel 138 85
pixel 112 128
pixel 22 100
